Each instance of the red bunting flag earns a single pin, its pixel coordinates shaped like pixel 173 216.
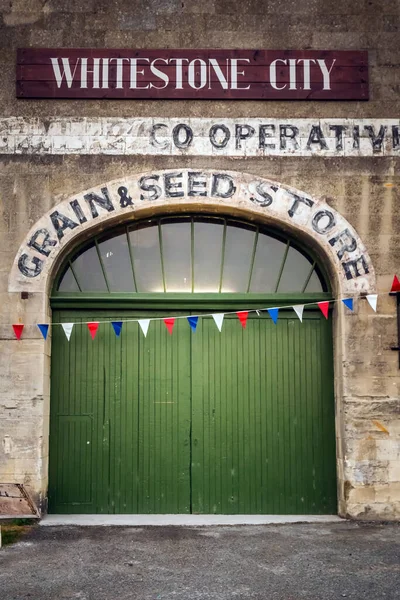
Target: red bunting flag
pixel 324 306
pixel 18 331
pixel 93 327
pixel 395 284
pixel 242 316
pixel 169 323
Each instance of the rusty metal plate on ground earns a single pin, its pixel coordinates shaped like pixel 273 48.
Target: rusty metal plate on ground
pixel 15 501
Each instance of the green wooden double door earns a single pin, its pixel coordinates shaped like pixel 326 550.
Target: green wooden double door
pixel 240 421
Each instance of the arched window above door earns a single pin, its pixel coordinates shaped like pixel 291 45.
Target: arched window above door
pixel 191 254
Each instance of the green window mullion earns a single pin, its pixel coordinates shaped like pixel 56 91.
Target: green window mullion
pixel 308 277
pixel 74 274
pixel 282 266
pixel 253 259
pixel 161 255
pixel 222 257
pixel 131 257
pixel 102 265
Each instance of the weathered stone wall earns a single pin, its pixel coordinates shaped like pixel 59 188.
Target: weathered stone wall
pixel 362 188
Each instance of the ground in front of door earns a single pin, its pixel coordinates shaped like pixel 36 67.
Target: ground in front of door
pixel 285 562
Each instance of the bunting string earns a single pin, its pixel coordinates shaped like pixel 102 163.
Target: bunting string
pixel 218 318
pixel 232 312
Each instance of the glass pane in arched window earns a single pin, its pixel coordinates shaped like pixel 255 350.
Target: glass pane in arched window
pixel 208 238
pixel 114 253
pixel 145 246
pixel 314 285
pixel 267 264
pixel 68 282
pixel 295 272
pixel 88 271
pixel 177 256
pixel 239 247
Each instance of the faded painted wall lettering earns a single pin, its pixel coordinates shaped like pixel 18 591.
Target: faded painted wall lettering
pixel 201 137
pixel 183 187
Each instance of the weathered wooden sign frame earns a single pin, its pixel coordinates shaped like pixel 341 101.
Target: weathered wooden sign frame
pixel 192 74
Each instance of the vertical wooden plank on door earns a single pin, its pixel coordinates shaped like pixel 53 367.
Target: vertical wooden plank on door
pixel 95 381
pixel 129 420
pixel 254 457
pixel 82 404
pixel 295 382
pixel 202 363
pixel 111 348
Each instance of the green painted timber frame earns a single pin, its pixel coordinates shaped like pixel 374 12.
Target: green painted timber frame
pixel 190 302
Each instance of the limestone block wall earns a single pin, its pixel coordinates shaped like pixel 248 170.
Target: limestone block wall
pixel 46 157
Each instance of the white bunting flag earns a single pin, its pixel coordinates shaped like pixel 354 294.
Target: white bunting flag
pixel 67 329
pixel 144 325
pixel 372 301
pixel 298 309
pixel 218 318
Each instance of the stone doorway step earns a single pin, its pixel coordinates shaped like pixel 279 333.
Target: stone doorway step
pixel 183 520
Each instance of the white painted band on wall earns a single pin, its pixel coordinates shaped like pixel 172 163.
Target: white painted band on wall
pixel 201 137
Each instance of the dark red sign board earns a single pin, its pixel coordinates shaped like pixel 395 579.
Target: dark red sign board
pixel 192 74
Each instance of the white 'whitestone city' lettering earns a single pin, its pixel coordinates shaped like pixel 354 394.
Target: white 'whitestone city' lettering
pixel 197 75
pixel 326 72
pixel 235 73
pixel 298 80
pixel 158 73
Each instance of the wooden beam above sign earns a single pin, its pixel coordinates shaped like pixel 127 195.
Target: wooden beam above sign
pixel 192 74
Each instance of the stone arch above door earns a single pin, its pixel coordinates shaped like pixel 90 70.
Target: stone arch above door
pixel 82 215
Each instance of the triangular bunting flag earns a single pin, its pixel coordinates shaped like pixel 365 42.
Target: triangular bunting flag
pixel 18 331
pixel 395 284
pixel 93 327
pixel 273 313
pixel 348 302
pixel 67 329
pixel 242 316
pixel 193 322
pixel 117 326
pixel 44 329
pixel 324 307
pixel 144 325
pixel 169 323
pixel 299 309
pixel 218 319
pixel 372 301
